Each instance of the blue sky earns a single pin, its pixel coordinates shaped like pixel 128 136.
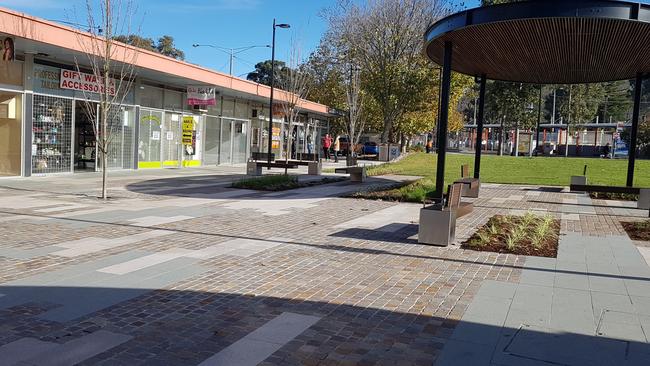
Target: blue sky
pixel 226 23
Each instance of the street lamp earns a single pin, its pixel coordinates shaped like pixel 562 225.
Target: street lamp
pixel 231 51
pixel 283 26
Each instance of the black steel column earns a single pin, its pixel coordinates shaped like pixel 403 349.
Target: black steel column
pixel 539 118
pixel 443 121
pixel 479 128
pixel 635 128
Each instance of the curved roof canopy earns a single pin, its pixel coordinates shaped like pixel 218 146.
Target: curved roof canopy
pixel 547 42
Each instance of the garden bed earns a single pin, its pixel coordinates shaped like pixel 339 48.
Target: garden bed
pixel 614 196
pixel 637 230
pixel 277 183
pixel 526 235
pixel 418 191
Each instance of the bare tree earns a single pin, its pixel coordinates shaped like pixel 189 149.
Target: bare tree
pixel 355 123
pixel 386 39
pixel 111 65
pixel 295 85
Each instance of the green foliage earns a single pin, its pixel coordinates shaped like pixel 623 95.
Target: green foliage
pixel 165 44
pixel 166 47
pixel 514 170
pixel 262 73
pixel 268 183
pixel 513 104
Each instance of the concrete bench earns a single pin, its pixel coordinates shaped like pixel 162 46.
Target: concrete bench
pixel 471 186
pixel 438 222
pixel 357 173
pixel 262 156
pixel 644 193
pixel 255 167
pixel 313 167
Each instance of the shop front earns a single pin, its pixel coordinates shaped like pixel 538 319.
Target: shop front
pixel 169 139
pixel 64 124
pixel 11 118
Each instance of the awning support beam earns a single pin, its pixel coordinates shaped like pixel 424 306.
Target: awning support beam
pixel 635 129
pixel 479 127
pixel 443 121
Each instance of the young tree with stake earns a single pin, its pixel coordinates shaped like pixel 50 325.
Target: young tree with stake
pixel 112 65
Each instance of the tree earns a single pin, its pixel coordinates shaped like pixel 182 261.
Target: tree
pixel 294 84
pixel 385 37
pixel 513 105
pixel 355 122
pixel 137 41
pixel 262 73
pixel 164 46
pixel 112 67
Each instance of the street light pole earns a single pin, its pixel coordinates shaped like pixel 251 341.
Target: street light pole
pixel 230 51
pixel 269 151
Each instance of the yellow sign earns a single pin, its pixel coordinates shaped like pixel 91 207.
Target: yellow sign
pixel 188 130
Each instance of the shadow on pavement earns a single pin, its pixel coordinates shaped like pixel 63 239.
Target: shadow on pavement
pixel 170 327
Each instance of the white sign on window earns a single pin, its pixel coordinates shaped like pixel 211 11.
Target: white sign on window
pixel 170 135
pixel 201 95
pixel 81 81
pixel 155 135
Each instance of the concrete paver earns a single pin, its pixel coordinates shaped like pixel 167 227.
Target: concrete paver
pixel 182 270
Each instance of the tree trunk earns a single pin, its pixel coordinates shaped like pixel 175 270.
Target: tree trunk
pixel 104 176
pixel 388 125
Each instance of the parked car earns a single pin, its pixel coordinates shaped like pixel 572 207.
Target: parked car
pixel 370 148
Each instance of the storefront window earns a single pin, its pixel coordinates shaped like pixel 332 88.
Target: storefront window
pixel 212 138
pixel 11 73
pixel 173 100
pixel 241 109
pixel 120 154
pixel 149 141
pixel 51 135
pixel 228 107
pixel 192 140
pixel 10 134
pixel 151 96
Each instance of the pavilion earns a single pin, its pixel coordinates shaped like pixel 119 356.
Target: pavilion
pixel 541 42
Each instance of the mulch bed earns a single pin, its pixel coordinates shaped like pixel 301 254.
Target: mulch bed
pixel 517 235
pixel 614 196
pixel 637 230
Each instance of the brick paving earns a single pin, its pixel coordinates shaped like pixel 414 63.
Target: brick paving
pixel 382 299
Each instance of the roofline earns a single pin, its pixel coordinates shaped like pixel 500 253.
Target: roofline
pixel 533 9
pixel 26 26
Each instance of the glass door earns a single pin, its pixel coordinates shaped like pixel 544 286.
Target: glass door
pixel 192 140
pixel 239 141
pixel 226 142
pixel 212 140
pixel 149 143
pixel 171 143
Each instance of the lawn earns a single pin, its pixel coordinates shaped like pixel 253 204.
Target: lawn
pixel 547 171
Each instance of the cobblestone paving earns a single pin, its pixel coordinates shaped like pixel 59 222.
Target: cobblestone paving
pixel 382 299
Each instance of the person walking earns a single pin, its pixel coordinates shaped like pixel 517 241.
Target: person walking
pixel 337 148
pixel 429 146
pixel 327 144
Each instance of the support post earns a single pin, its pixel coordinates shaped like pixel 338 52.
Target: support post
pixel 479 128
pixel 539 119
pixel 635 129
pixel 443 121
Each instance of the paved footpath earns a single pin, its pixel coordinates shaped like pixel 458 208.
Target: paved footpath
pixel 179 269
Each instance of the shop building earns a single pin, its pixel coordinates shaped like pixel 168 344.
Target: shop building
pixel 46 129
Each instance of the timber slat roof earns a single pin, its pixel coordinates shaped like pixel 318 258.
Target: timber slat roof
pixel 547 42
